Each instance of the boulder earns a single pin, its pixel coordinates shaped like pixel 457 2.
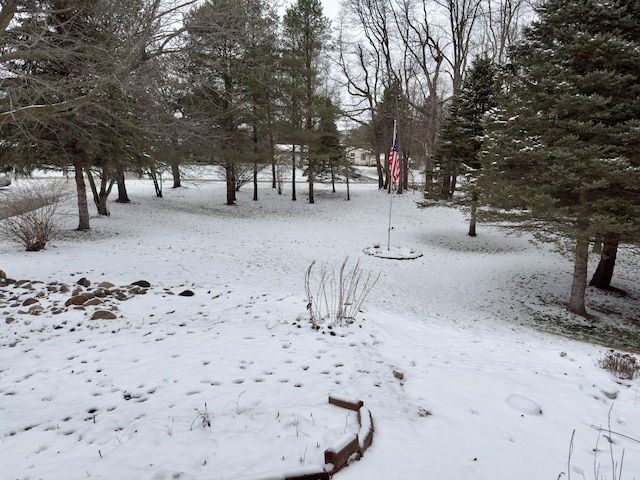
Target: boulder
pixel 91 302
pixel 103 315
pixel 76 300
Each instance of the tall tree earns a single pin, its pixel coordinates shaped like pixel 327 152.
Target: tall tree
pixel 68 69
pixel 566 145
pixel 305 39
pixel 331 158
pixel 365 59
pixel 223 64
pixel 463 130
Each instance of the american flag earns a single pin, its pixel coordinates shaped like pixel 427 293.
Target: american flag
pixel 394 159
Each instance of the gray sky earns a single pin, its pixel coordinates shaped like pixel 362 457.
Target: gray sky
pixel 331 8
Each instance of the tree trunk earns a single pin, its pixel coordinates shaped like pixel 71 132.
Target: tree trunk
pixel 400 177
pixel 123 197
pixel 175 172
pixel 274 173
pixel 231 184
pixel 100 196
pixel 274 176
pixel 446 186
pixel 293 173
pixel 579 286
pixel 255 181
pixel 405 171
pixel 380 170
pixel 333 178
pixel 604 272
pixel 347 175
pixel 83 206
pixel 157 182
pixel 311 174
pixel 255 162
pixel 474 214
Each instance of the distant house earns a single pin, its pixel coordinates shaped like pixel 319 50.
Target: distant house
pixel 357 156
pixel 361 157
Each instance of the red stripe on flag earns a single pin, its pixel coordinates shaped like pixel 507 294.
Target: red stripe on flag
pixel 394 161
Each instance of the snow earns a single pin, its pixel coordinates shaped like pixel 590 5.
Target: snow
pixel 233 382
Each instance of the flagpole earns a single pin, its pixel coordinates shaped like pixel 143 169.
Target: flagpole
pixel 395 132
pixel 389 230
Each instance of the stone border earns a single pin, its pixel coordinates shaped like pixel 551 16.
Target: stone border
pixel 349 447
pixel 392 254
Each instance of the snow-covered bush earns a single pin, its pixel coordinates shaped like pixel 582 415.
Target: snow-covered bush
pixel 337 298
pixel 28 212
pixel 622 365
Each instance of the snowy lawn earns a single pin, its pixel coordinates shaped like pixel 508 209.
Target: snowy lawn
pixel 233 382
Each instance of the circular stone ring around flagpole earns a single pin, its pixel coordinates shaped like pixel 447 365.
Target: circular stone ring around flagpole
pixel 392 253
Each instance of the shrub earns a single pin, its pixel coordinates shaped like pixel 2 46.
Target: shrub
pixel 622 365
pixel 338 299
pixel 28 212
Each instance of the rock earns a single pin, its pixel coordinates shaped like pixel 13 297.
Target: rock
pixel 398 374
pixel 64 288
pixel 76 300
pixel 36 309
pixel 106 285
pixel 103 315
pixel 91 302
pixel 3 276
pixel 186 293
pixel 9 320
pixel 142 283
pixel 84 282
pixel 29 301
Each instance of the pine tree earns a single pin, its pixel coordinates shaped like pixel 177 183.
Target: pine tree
pixel 330 155
pixel 229 52
pixel 463 130
pixel 305 38
pixel 565 145
pixel 65 53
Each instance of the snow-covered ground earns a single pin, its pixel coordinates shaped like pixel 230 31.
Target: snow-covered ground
pixel 233 382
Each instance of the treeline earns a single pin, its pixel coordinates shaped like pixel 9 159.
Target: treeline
pixel 550 137
pixel 506 105
pixel 103 87
pixel 98 88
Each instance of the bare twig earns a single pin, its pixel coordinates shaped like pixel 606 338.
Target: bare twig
pixel 337 299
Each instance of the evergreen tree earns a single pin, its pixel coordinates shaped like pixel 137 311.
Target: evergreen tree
pixel 65 53
pixel 305 38
pixel 392 108
pixel 463 131
pixel 230 45
pixel 565 146
pixel 330 155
